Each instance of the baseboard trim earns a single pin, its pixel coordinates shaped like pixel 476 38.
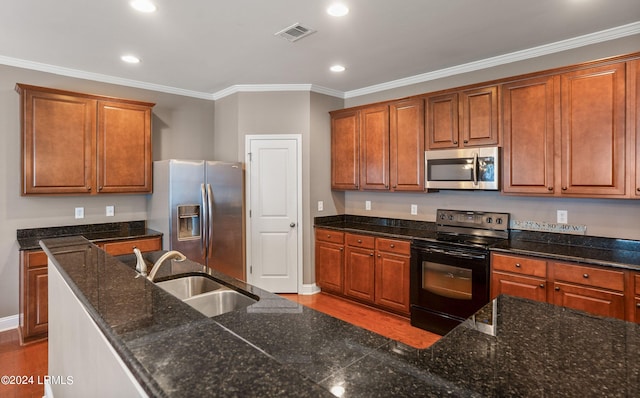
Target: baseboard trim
pixel 9 322
pixel 309 289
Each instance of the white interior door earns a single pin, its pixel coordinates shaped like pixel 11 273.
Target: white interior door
pixel 274 244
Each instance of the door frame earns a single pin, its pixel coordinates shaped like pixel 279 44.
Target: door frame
pixel 299 222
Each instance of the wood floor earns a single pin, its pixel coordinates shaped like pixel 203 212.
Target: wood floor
pixel 384 323
pixel 31 359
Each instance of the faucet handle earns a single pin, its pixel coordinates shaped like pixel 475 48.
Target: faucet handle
pixel 141 265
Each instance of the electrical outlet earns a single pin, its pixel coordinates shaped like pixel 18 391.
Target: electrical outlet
pixel 79 212
pixel 110 211
pixel 414 210
pixel 320 205
pixel 563 216
pixel 367 205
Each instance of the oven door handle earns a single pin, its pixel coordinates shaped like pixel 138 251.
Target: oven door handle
pixel 456 253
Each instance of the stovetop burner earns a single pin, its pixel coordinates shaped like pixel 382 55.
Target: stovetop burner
pixel 470 240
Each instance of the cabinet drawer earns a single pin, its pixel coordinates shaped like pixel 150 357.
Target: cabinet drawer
pixel 364 241
pixel 597 277
pixel 393 246
pixel 519 265
pixel 126 247
pixel 637 284
pixel 327 235
pixel 36 259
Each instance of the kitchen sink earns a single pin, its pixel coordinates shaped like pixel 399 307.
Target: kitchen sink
pixel 189 286
pixel 206 295
pixel 219 302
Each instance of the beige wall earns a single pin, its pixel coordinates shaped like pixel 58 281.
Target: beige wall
pixel 609 218
pixel 182 128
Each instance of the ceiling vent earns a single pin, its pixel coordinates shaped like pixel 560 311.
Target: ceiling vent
pixel 295 32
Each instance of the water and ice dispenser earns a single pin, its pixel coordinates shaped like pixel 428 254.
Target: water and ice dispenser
pixel 188 222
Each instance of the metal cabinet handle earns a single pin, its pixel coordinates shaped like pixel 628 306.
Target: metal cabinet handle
pixel 466 141
pixel 557 289
pixel 342 249
pixel 518 265
pixel 328 236
pixel 585 276
pixel 455 142
pixel 564 188
pixel 88 188
pixel 542 285
pixel 392 245
pixel 638 189
pixel 550 188
pixel 379 256
pixel 371 254
pixel 292 224
pixel 359 240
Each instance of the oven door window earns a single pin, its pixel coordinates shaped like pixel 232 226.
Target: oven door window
pixel 447 281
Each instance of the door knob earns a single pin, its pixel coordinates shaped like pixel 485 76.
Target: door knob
pixel 292 224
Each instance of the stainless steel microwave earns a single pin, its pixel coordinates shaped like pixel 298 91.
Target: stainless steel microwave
pixel 469 168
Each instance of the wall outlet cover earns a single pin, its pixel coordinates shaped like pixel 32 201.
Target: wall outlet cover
pixel 414 210
pixel 110 211
pixel 367 205
pixel 320 205
pixel 79 212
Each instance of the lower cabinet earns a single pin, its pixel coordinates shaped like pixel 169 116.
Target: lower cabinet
pixel 595 290
pixel 636 301
pixel 370 270
pixel 34 294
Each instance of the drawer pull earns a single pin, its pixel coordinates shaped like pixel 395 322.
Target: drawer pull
pixel 328 236
pixel 542 285
pixel 359 240
pixel 371 254
pixel 585 276
pixel 557 289
pixel 342 249
pixel 518 265
pixel 392 245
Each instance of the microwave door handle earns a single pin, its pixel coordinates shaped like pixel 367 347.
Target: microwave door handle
pixel 475 168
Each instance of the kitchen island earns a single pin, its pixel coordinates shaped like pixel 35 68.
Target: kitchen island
pixel 512 347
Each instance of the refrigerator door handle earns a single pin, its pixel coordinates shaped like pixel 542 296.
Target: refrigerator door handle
pixel 209 221
pixel 204 240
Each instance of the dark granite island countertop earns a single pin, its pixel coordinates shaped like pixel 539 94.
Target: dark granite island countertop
pixel 279 348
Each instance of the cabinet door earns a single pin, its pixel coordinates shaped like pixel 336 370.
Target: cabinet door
pixel 359 273
pixel 595 301
pixel 329 266
pixel 406 134
pixel 634 100
pixel 528 134
pixel 392 282
pixel 345 150
pixel 518 285
pixel 37 319
pixel 479 108
pixel 593 131
pixel 126 247
pixel 57 143
pixel 374 148
pixel 442 121
pixel 124 147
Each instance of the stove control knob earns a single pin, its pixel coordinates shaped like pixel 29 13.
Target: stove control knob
pixel 489 220
pixel 498 220
pixel 451 217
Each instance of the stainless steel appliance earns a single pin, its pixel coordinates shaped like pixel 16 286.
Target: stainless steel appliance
pixel 450 276
pixel 198 206
pixel 468 168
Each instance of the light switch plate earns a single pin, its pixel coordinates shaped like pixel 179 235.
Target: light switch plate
pixel 320 205
pixel 110 211
pixel 563 216
pixel 414 210
pixel 79 212
pixel 367 205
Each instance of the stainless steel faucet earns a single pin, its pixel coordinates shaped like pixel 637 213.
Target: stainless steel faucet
pixel 141 265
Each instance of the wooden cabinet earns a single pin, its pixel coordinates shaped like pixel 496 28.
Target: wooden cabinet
pixel 360 267
pixel 600 291
pixel 370 270
pixel 635 312
pixel 462 119
pixel 528 136
pixel 406 132
pixel 392 274
pixel 634 124
pixel 565 135
pixel 329 260
pixel 518 276
pixel 374 148
pixel 595 290
pixel 34 297
pixel 380 147
pixel 83 144
pixel 345 150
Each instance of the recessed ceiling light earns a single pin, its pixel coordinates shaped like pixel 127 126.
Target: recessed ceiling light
pixel 337 68
pixel 131 59
pixel 338 10
pixel 143 5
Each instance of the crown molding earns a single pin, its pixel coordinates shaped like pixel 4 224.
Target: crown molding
pixel 576 42
pixel 580 41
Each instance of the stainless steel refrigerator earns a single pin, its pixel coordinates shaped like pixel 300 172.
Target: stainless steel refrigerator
pixel 199 207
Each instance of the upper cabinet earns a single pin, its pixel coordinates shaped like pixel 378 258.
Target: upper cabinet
pixel 565 134
pixel 83 144
pixel 380 147
pixel 463 118
pixel 634 123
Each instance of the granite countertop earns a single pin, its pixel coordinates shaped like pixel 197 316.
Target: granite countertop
pixel 589 250
pixel 278 347
pixel 28 239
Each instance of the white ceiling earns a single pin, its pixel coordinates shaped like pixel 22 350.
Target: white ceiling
pixel 204 48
